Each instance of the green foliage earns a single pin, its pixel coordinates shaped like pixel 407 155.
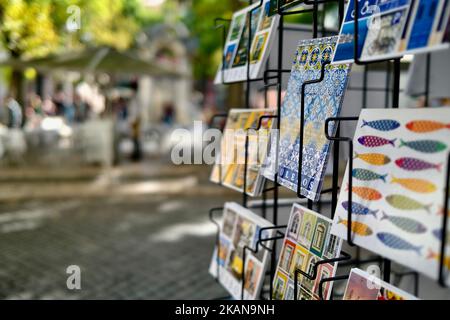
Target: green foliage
pixel 36 28
pixel 200 21
pixel 27 28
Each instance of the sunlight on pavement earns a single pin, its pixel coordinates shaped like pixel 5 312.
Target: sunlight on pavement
pixel 171 206
pixel 177 232
pixel 168 186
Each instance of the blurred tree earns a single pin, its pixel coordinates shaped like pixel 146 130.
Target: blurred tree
pixel 30 29
pixel 200 21
pixel 26 30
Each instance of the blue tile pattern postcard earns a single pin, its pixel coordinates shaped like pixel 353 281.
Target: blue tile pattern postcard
pixel 399 176
pixel 322 100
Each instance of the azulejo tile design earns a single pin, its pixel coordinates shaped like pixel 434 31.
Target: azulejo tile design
pixel 308 240
pixel 322 100
pixel 398 186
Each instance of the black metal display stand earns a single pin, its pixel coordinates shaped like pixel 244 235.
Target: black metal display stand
pixel 273 78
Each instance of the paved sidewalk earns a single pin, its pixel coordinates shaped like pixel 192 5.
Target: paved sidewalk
pixel 135 245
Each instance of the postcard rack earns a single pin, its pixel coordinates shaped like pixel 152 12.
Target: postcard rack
pixel 273 78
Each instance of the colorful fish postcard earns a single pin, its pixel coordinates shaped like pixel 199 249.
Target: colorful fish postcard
pixel 236 55
pixel 392 28
pixel 230 164
pixel 399 165
pixel 322 100
pixel 308 240
pixel 241 228
pixel 364 286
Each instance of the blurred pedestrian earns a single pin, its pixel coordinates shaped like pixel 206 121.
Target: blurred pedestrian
pixel 135 135
pixel 81 109
pixel 15 117
pixel 59 99
pixel 168 114
pixel 48 107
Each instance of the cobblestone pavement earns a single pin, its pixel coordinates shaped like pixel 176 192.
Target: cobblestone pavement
pixel 146 246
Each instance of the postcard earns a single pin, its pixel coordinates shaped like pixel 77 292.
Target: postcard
pixel 393 28
pixel 308 240
pixel 230 164
pixel 322 100
pixel 427 27
pixel 240 228
pixel 426 15
pixel 400 160
pixel 236 56
pixel 363 286
pixel 384 40
pixel 440 32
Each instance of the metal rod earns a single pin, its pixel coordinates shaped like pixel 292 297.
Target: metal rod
pixel 343 257
pixel 396 93
pixel 443 255
pixel 388 84
pixel 364 95
pixel 350 169
pixel 335 181
pixel 325 280
pixel 211 218
pixel 427 80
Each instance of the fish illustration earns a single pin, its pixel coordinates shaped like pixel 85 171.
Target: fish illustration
pixel 376 159
pixel 367 175
pixel 436 256
pixel 382 125
pixel 359 209
pixel 359 228
pixel 406 224
pixel 426 126
pixel 394 242
pixel 405 203
pixel 366 193
pixel 373 141
pixel 416 185
pixel 438 235
pixel 424 146
pixel 413 164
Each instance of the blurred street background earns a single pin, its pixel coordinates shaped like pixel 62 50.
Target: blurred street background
pixel 90 92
